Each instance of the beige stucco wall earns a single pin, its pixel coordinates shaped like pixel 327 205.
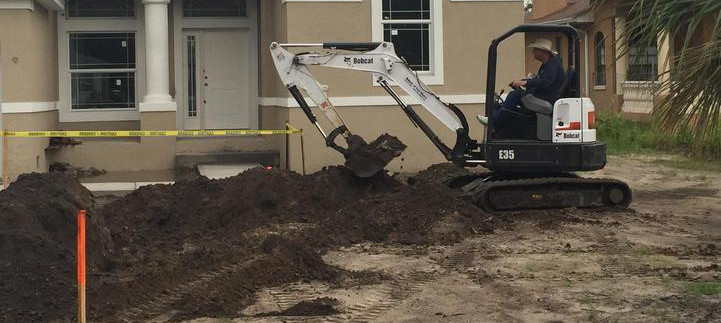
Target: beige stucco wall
pixel 29 55
pixel 542 8
pixel 603 98
pixel 272 22
pixel 29 74
pixel 122 154
pixel 27 155
pixel 468 28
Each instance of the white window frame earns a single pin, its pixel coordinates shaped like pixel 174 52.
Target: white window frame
pixel 435 75
pixel 66 26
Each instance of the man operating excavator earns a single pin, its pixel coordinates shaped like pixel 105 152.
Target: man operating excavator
pixel 545 86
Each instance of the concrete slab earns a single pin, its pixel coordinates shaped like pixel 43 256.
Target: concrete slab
pixel 219 171
pixel 120 186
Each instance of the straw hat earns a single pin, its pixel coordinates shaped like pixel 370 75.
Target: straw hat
pixel 542 43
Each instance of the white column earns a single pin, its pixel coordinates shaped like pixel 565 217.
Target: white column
pixel 157 66
pixel 621 62
pixel 663 53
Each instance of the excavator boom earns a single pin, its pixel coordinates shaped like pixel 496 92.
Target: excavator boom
pixel 381 60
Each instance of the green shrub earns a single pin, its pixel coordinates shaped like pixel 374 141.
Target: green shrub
pixel 628 136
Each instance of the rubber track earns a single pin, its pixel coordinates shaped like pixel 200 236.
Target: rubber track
pixel 479 192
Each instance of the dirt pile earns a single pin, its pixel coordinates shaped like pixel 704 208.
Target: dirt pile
pixel 205 247
pixel 37 246
pixel 322 306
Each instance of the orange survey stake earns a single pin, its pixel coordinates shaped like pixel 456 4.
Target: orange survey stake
pixel 81 266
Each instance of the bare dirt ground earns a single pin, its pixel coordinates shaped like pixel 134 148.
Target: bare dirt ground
pixel 658 262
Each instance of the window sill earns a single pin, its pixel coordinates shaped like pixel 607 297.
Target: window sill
pixel 599 87
pixel 427 79
pixel 98 115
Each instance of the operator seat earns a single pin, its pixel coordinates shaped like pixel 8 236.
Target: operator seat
pixel 544 109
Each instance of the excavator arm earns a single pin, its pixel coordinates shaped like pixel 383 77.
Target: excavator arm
pixel 388 69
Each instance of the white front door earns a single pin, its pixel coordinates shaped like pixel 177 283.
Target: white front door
pixel 218 79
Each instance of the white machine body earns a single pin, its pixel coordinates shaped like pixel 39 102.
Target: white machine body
pixel 574 120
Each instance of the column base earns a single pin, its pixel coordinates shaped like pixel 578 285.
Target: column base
pixel 158 106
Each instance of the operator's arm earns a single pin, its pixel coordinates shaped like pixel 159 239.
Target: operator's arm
pixel 547 76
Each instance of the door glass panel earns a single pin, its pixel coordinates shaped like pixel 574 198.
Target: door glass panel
pixel 102 50
pixel 214 8
pixel 192 77
pixel 103 90
pixel 100 8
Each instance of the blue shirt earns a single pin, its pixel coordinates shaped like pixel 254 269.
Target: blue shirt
pixel 548 82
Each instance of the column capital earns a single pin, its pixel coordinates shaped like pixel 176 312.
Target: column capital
pixel 156 1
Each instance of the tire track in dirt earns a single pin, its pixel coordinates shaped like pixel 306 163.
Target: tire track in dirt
pixel 160 304
pixel 377 302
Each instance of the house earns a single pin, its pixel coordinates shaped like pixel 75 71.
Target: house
pixel 201 64
pixel 613 81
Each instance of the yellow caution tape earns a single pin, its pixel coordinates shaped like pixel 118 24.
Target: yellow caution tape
pixel 151 133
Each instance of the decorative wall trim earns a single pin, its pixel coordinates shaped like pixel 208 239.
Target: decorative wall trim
pixel 28 107
pixel 366 101
pixel 53 5
pixel 17 4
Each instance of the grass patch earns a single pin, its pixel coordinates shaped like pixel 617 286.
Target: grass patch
pixel 704 288
pixel 623 136
pixel 642 251
pixel 585 299
pixel 683 162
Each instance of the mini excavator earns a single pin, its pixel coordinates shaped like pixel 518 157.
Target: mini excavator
pixel 533 170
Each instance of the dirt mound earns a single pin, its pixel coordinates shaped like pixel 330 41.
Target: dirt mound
pixel 205 247
pixel 37 246
pixel 322 306
pixel 438 172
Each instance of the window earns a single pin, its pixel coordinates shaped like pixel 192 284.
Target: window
pixel 214 8
pixel 102 70
pixel 406 23
pixel 192 77
pixel 642 62
pixel 600 44
pixel 104 8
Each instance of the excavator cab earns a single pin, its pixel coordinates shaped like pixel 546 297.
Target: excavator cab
pixel 555 138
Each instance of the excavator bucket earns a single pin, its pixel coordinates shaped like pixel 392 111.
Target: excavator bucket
pixel 366 160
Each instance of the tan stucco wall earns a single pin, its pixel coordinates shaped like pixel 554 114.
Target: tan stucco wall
pixel 468 28
pixel 27 155
pixel 604 99
pixel 29 55
pixel 272 28
pixel 122 154
pixel 29 74
pixel 542 8
pixel 270 119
